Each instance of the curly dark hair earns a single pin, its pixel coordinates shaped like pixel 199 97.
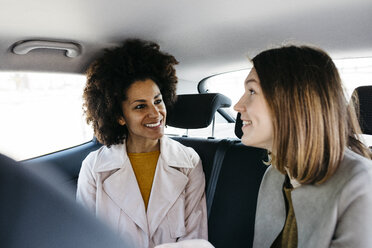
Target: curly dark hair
pixel 110 76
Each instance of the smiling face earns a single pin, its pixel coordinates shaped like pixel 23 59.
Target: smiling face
pixel 144 115
pixel 257 122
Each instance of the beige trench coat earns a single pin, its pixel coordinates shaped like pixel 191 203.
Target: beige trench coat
pixel 176 209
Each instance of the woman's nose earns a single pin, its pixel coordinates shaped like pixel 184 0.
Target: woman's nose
pixel 153 111
pixel 239 106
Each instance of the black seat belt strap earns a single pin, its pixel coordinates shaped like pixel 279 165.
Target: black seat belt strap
pixel 219 156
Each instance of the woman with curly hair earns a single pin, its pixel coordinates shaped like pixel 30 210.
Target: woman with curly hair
pixel 148 187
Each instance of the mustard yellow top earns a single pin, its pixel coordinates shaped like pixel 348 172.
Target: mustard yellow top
pixel 288 237
pixel 144 165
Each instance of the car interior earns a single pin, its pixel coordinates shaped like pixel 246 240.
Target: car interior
pixel 208 38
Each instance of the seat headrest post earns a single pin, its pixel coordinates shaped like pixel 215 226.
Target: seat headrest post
pixel 213 123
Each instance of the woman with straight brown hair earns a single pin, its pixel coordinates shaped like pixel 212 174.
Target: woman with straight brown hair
pixel 318 190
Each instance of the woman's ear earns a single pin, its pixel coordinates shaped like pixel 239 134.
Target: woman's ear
pixel 121 121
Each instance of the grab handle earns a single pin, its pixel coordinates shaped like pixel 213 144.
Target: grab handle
pixel 72 49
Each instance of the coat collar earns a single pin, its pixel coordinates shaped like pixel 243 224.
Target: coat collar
pixel 310 202
pixel 116 156
pixel 314 205
pixel 270 203
pixel 111 158
pixel 168 184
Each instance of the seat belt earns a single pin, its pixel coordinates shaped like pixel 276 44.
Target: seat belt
pixel 219 156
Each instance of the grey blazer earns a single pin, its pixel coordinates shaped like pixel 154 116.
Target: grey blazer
pixel 337 213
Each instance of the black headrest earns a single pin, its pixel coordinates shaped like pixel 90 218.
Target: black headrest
pixel 238 127
pixel 196 110
pixel 364 94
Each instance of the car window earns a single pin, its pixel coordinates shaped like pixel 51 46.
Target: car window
pixel 41 113
pixel 354 72
pixel 219 129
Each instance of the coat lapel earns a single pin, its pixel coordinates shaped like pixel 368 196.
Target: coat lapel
pixel 169 182
pixel 122 184
pixel 270 203
pixel 316 209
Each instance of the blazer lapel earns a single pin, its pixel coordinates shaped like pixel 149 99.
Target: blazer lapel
pixel 121 184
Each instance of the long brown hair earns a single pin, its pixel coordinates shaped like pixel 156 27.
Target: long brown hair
pixel 312 120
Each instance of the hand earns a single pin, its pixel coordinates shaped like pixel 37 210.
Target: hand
pixel 192 243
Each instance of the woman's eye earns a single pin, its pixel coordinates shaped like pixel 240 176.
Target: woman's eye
pixel 140 106
pixel 158 101
pixel 252 92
